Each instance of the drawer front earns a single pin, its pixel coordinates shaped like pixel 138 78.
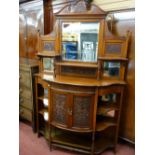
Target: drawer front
pixel 26 103
pixel 24 67
pixel 25 78
pixel 25 93
pixel 25 114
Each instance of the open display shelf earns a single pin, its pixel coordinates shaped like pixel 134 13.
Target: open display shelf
pixel 80 142
pixel 77 64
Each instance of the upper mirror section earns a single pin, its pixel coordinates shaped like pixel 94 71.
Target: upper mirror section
pixel 80 41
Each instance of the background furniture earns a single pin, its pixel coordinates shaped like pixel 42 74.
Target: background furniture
pixel 30 21
pixel 27 69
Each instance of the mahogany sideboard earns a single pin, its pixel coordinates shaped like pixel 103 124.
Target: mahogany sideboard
pixel 80 84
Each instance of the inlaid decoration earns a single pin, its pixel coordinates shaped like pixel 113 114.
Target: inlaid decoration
pixel 59 106
pixel 113 48
pixel 48 46
pixel 81 111
pixel 48 64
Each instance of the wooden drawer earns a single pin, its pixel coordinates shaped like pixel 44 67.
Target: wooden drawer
pixel 25 93
pixel 26 103
pixel 25 114
pixel 25 78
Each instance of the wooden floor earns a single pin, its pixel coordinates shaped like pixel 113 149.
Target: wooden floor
pixel 30 144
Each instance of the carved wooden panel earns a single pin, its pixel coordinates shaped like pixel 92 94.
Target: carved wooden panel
pixel 59 106
pixel 80 7
pixel 113 48
pixel 81 111
pixel 49 46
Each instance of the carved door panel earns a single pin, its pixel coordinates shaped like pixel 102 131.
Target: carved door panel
pixel 82 107
pixel 72 111
pixel 59 108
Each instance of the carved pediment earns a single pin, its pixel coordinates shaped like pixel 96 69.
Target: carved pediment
pixel 81 7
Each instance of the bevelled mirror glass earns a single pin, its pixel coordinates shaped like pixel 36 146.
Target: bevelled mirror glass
pixel 111 69
pixel 80 41
pixel 48 64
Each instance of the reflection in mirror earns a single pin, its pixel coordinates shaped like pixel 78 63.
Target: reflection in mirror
pixel 111 68
pixel 45 92
pixel 80 41
pixel 110 98
pixel 48 64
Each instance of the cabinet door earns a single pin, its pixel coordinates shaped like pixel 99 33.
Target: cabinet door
pixel 59 108
pixel 82 115
pixel 70 110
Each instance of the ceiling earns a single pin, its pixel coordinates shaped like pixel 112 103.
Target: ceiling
pixel 23 1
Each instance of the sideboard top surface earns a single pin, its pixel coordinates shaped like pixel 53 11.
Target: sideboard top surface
pixel 76 81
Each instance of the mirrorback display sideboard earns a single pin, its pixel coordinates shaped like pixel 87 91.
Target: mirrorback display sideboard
pixel 80 84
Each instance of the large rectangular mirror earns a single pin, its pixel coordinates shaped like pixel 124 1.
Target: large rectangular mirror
pixel 79 41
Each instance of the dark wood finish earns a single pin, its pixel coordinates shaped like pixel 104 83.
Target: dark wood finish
pixel 48 16
pixel 88 108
